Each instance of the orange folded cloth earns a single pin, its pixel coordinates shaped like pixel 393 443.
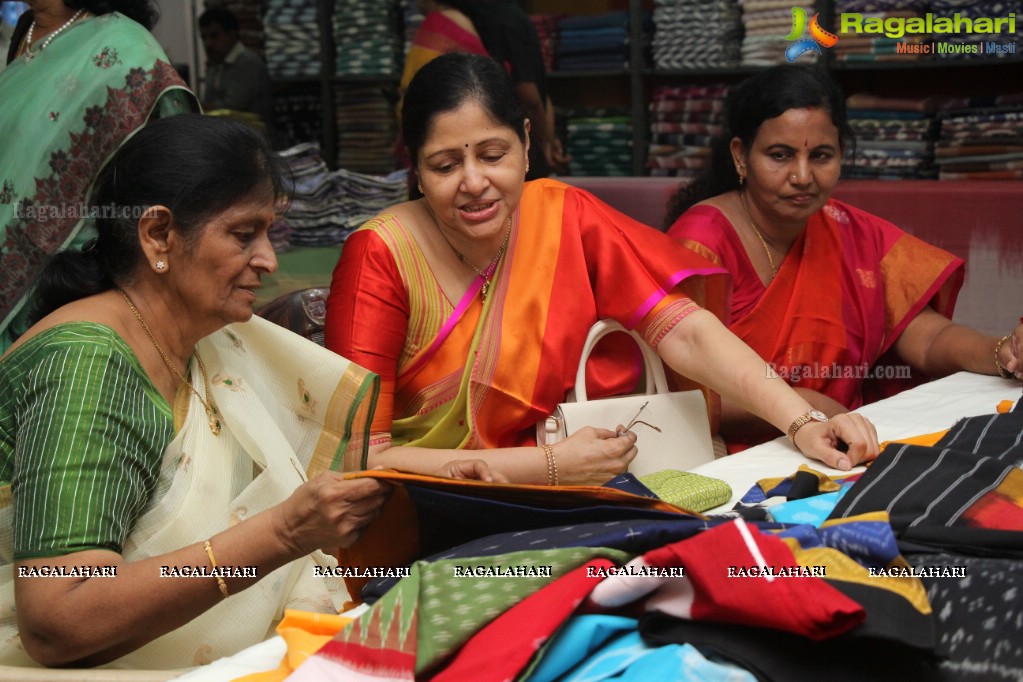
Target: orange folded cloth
pixel 304 632
pixel 923 439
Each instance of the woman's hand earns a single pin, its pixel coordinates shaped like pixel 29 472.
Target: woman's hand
pixel 475 469
pixel 328 511
pixel 821 440
pixel 593 456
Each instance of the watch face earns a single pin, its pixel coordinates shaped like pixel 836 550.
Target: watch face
pixel 818 415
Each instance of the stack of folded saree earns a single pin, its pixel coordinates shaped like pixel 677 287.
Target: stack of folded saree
pixel 894 137
pixel 366 127
pixel 292 39
pixel 696 34
pixel 326 205
pixel 683 121
pixel 599 142
pixel 765 23
pixel 593 42
pixel 983 141
pixel 367 39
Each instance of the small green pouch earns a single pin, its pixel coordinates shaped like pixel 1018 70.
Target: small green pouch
pixel 687 490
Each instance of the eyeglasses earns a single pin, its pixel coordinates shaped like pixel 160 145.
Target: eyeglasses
pixel 636 420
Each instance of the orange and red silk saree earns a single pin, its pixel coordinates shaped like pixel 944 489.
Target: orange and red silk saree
pixel 476 374
pixel 844 293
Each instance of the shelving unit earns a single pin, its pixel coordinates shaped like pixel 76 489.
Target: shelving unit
pixel 632 87
pixel 327 82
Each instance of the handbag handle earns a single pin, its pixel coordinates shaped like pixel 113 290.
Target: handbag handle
pixel 655 378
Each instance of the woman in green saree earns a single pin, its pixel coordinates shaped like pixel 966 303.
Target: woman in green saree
pixel 152 430
pixel 80 79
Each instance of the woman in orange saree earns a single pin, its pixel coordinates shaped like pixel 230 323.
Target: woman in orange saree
pixel 848 288
pixel 844 305
pixel 473 303
pixel 557 275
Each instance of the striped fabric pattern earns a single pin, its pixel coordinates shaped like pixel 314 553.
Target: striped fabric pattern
pixel 969 478
pixel 82 432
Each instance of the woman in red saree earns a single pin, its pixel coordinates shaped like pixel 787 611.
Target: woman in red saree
pixel 831 296
pixel 473 303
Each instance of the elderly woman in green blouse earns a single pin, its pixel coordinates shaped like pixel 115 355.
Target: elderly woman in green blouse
pixel 167 463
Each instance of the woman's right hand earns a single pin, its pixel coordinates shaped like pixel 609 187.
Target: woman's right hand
pixel 329 512
pixel 593 456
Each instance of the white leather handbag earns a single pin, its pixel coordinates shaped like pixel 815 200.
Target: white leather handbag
pixel 683 440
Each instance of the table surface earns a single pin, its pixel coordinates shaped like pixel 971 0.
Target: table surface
pixel 932 407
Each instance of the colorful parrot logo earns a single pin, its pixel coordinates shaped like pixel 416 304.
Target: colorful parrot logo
pixel 818 36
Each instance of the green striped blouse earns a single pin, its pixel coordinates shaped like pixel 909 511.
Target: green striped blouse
pixel 82 434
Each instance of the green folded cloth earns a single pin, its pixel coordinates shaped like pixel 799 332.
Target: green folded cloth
pixel 687 490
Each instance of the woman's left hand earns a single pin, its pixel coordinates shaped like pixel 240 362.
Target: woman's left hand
pixel 821 440
pixel 1010 352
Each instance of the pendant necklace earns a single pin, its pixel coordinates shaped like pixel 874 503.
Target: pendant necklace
pixel 208 406
pixel 760 235
pixel 486 273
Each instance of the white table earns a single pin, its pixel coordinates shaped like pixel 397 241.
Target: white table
pixel 925 409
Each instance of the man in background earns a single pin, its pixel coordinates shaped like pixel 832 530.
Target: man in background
pixel 236 78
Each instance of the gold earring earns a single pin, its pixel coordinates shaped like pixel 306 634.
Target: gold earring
pixel 419 186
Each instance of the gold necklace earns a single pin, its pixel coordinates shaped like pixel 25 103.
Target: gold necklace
pixel 486 273
pixel 211 409
pixel 760 235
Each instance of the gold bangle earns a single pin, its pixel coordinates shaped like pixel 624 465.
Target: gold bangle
pixel 1002 372
pixel 552 465
pixel 208 546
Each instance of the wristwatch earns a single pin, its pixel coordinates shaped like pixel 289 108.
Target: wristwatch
pixel 811 416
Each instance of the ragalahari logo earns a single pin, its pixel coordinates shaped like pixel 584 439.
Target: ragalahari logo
pixel 818 36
